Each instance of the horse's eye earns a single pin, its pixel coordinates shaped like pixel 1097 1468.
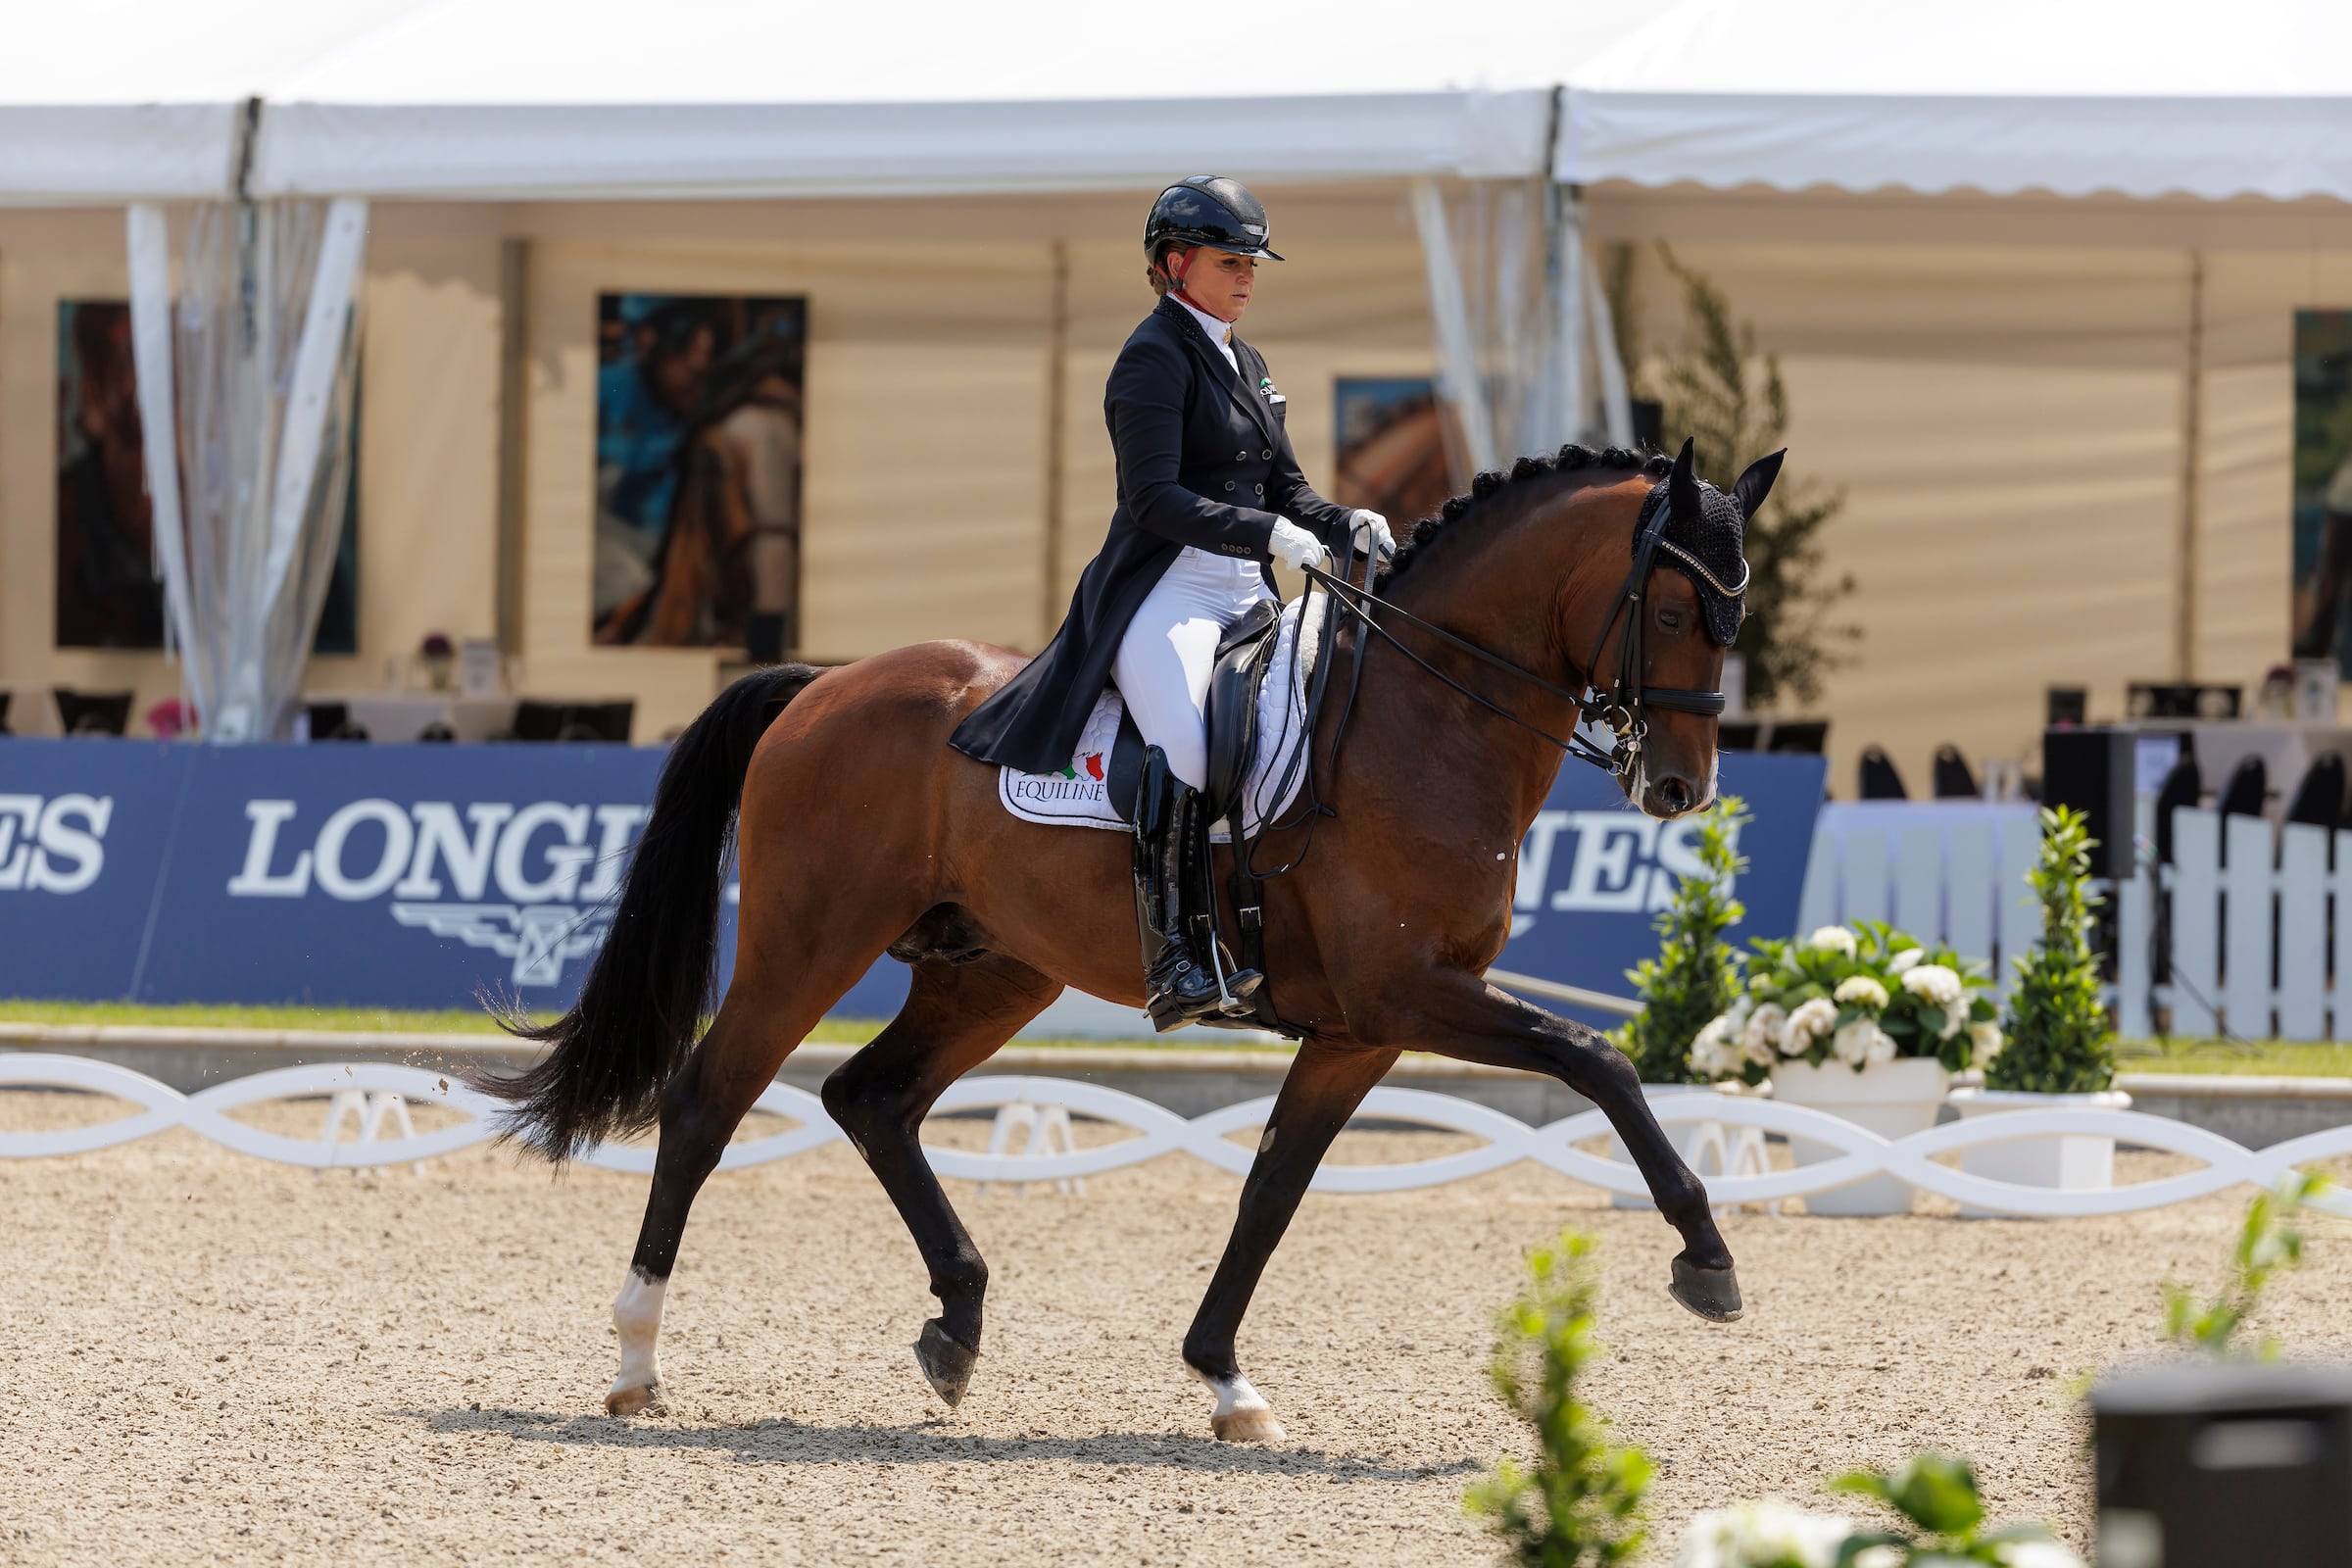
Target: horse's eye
pixel 1671 620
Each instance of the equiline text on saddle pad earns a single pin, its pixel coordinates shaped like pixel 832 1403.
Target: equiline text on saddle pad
pixel 1080 795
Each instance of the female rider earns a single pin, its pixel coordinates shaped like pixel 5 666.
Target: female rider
pixel 1209 495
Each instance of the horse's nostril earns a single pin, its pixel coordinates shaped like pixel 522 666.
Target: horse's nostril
pixel 1674 795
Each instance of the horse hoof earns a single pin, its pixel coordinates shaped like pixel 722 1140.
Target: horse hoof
pixel 634 1398
pixel 947 1365
pixel 1247 1426
pixel 1712 1293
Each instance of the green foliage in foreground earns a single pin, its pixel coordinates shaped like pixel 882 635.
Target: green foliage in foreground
pixel 2058 1039
pixel 1944 1514
pixel 1695 976
pixel 2267 1242
pixel 1579 1505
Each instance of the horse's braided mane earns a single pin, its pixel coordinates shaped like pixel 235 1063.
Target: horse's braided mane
pixel 1429 532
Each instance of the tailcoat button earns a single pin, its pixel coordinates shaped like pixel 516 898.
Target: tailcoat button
pixel 1240 456
pixel 1268 453
pixel 1229 484
pixel 1259 488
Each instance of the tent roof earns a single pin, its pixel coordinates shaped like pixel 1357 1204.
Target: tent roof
pixel 2004 96
pixel 603 98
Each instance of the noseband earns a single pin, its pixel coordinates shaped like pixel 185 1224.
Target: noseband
pixel 1623 707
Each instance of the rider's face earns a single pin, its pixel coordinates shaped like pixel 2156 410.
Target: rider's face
pixel 1218 281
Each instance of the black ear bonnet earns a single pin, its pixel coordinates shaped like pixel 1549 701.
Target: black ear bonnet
pixel 1705 529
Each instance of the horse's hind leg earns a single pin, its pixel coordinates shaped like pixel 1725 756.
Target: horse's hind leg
pixel 955 1017
pixel 701 1107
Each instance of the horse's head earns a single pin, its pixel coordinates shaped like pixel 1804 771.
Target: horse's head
pixel 1656 657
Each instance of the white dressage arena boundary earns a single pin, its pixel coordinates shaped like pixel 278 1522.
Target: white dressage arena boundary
pixel 1158 1131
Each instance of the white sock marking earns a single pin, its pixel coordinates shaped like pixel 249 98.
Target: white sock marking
pixel 637 1316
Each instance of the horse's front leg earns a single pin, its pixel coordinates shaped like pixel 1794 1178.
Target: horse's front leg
pixel 1457 1014
pixel 1321 1091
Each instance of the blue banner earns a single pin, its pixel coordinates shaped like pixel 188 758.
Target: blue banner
pixel 1593 872
pixel 416 876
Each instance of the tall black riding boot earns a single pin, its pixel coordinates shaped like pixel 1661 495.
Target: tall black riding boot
pixel 1178 989
pixel 1199 897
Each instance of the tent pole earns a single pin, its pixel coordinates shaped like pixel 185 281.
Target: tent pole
pixel 2192 434
pixel 1058 376
pixel 513 434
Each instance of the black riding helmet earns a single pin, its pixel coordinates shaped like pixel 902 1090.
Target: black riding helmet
pixel 1212 211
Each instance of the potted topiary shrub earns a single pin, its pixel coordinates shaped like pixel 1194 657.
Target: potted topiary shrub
pixel 2061 1051
pixel 1862 1022
pixel 1695 977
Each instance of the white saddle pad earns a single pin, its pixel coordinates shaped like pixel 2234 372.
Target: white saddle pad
pixel 1079 796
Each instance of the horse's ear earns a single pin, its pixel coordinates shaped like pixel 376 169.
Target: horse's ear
pixel 1757 483
pixel 1681 485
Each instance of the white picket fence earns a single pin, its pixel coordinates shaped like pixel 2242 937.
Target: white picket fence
pixel 2261 931
pixel 1503 1139
pixel 1943 871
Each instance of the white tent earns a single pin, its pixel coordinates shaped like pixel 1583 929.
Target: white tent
pixel 2144 98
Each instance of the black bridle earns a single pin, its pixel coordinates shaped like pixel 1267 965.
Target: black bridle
pixel 1623 707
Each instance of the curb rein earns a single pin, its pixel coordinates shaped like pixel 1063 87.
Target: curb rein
pixel 1623 709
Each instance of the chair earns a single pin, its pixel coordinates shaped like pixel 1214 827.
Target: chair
pixel 540 720
pixel 93 712
pixel 1735 735
pixel 1953 780
pixel 1805 737
pixel 2184 786
pixel 332 721
pixel 1876 777
pixel 2067 706
pixel 4 697
pixel 2248 786
pixel 2320 799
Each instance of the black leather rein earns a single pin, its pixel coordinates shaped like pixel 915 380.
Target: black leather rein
pixel 1623 707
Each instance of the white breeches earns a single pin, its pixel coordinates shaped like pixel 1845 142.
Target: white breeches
pixel 1166 658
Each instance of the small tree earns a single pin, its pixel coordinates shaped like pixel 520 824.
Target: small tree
pixel 2267 1242
pixel 1695 976
pixel 1718 390
pixel 2058 1039
pixel 1579 1507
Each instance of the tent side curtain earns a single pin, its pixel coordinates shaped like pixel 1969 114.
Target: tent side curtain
pixel 75 154
pixel 2216 148
pixel 620 151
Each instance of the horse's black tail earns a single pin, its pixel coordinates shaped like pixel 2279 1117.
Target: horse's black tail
pixel 646 993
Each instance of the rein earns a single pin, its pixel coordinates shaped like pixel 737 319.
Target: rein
pixel 1622 707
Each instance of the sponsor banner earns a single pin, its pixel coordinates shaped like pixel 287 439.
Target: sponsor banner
pixel 1593 872
pixel 416 876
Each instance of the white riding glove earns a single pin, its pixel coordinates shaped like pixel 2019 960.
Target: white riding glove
pixel 1372 534
pixel 1295 547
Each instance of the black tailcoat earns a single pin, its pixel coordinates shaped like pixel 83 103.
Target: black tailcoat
pixel 1203 460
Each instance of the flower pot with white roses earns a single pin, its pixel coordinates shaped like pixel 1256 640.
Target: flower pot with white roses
pixel 1863 1022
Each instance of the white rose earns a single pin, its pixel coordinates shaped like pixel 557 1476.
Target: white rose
pixel 1984 1041
pixel 1854 1042
pixel 1934 983
pixel 2038 1555
pixel 1769 1532
pixel 1831 939
pixel 1882 1046
pixel 1809 1023
pixel 1906 958
pixel 1863 988
pixel 1763 1033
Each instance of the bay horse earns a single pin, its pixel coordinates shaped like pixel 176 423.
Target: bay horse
pixel 858 830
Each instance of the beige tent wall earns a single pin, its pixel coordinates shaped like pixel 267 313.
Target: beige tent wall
pixel 2001 390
